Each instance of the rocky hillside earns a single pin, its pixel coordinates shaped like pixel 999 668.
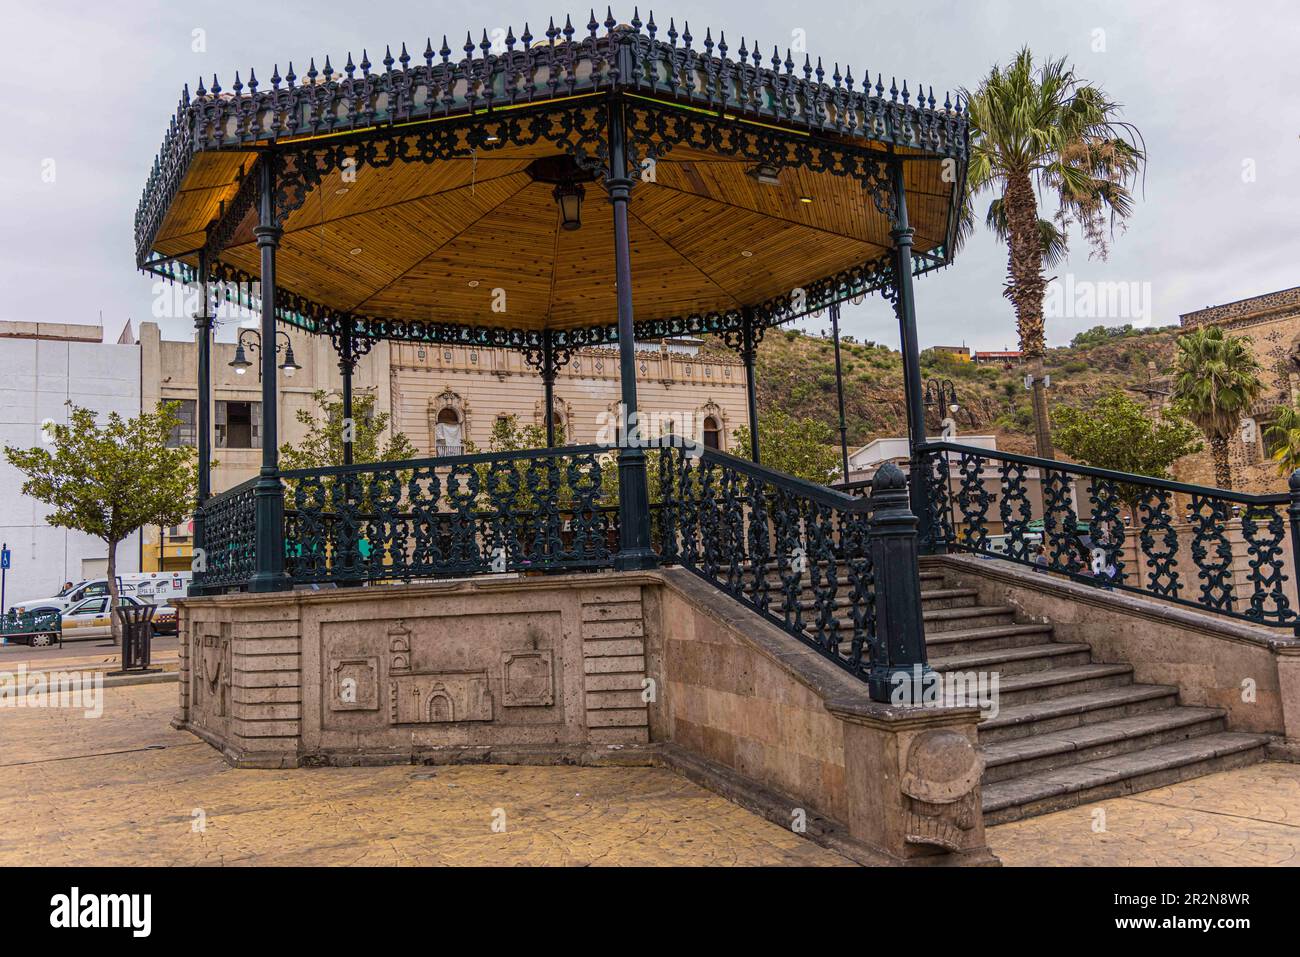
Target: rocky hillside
pixel 796 372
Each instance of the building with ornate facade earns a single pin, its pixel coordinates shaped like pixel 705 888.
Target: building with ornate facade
pixel 1272 324
pixel 442 398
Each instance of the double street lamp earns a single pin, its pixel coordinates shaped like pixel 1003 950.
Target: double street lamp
pixel 941 395
pixel 240 363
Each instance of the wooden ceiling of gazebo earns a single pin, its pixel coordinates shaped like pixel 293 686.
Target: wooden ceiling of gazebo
pixel 447 240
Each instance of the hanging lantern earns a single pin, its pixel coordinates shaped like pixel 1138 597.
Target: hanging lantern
pixel 289 366
pixel 240 363
pixel 568 196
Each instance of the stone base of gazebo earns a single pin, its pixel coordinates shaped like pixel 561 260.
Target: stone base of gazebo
pixel 608 668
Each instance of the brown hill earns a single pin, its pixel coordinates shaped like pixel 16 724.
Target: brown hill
pixel 796 372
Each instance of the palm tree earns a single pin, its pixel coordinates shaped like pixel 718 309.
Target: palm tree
pixel 1043 130
pixel 1216 381
pixel 1285 431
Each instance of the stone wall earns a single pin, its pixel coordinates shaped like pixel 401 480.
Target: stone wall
pixel 1272 324
pixel 610 668
pixel 420 672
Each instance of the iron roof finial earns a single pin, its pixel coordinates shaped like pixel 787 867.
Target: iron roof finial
pixel 252 81
pixel 216 87
pixel 365 63
pixel 329 70
pixel 404 58
pixel 290 76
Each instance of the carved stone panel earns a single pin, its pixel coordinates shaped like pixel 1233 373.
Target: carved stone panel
pixel 527 679
pixel 439 697
pixel 354 684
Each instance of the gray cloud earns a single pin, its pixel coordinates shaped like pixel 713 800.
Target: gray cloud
pixel 1211 86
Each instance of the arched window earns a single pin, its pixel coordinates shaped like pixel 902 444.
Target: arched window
pixel 712 433
pixel 449 434
pixel 561 428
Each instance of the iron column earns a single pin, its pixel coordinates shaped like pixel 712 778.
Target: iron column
pixel 268 496
pixel 839 388
pixel 633 494
pixel 347 362
pixel 548 385
pixel 202 406
pixel 748 353
pixel 904 307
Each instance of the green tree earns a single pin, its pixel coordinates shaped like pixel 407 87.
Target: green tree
pixel 805 448
pixel 110 480
pixel 322 446
pixel 1119 433
pixel 1216 380
pixel 1285 433
pixel 1040 130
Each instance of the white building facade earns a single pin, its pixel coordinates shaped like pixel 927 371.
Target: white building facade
pixel 44 366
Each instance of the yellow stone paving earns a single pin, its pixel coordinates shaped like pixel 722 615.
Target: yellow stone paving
pixel 1244 818
pixel 127 789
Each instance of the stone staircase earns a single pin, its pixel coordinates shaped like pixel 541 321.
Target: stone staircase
pixel 1068 730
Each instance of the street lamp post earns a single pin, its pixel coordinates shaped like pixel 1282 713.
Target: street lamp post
pixel 941 395
pixel 241 362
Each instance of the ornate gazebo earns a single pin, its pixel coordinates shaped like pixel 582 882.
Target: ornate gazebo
pixel 447 197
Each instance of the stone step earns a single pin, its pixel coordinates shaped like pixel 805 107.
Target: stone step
pixel 1061 683
pixel 948 598
pixel 995 636
pixel 1057 749
pixel 940 620
pixel 1017 661
pixel 1073 711
pixel 1119 775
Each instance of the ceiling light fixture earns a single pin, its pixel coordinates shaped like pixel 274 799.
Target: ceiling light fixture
pixel 354 251
pixel 767 174
pixel 805 199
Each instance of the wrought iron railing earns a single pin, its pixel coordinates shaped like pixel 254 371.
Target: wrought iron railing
pixel 1211 549
pixel 537 510
pixel 228 554
pixel 769 540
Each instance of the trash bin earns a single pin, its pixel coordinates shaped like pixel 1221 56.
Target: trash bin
pixel 137 634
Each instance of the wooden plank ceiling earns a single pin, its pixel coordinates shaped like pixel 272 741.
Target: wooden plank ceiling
pixel 448 240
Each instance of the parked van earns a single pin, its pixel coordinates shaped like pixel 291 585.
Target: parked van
pixel 153 588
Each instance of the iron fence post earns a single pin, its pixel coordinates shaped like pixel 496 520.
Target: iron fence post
pixel 898 663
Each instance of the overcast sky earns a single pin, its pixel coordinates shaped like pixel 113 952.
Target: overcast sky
pixel 1214 87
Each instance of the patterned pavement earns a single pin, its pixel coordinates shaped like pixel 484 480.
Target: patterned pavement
pixel 127 789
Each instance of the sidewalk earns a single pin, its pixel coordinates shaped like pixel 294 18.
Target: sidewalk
pixel 129 790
